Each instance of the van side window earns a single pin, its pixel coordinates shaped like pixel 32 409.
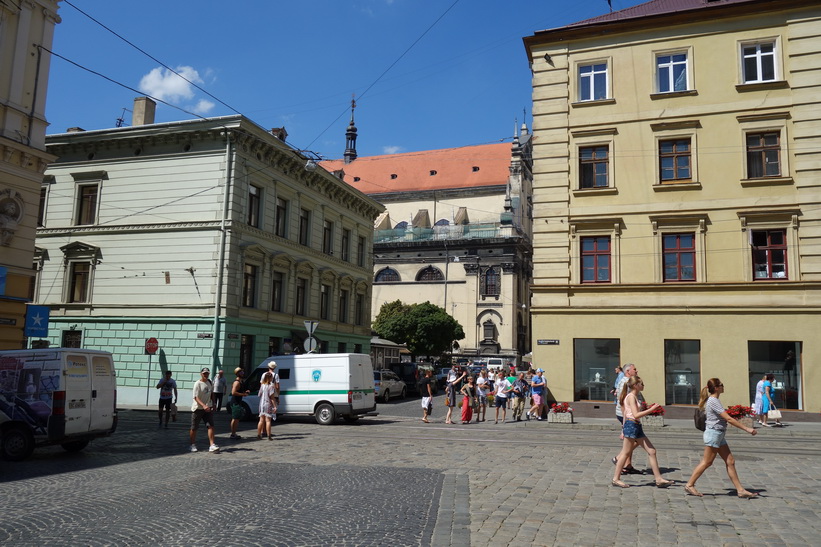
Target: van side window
pixel 284 374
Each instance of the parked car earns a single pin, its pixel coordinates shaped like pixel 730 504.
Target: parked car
pixel 387 384
pixel 411 373
pixel 442 377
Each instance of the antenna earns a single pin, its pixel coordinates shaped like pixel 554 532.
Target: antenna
pixel 121 120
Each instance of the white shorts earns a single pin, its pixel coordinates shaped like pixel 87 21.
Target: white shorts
pixel 426 402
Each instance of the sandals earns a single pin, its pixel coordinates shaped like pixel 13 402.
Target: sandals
pixel 663 483
pixel 747 495
pixel 619 484
pixel 691 491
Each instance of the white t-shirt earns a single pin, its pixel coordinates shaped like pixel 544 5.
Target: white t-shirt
pixel 481 386
pixel 502 385
pixel 202 389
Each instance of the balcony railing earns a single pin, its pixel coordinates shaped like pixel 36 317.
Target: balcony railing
pixel 438 233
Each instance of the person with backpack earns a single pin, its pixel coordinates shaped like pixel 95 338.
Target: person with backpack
pixel 714 441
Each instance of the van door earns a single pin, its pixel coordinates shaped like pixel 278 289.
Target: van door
pixel 77 376
pixel 103 390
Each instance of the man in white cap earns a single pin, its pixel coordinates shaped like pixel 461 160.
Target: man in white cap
pixel 538 386
pixel 202 410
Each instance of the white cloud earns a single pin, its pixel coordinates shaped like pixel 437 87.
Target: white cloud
pixel 165 85
pixel 391 149
pixel 203 107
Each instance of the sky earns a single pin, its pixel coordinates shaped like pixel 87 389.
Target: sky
pixel 426 74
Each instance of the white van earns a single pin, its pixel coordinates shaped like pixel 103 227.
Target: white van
pixel 324 385
pixel 62 396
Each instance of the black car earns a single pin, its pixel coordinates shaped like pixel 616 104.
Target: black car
pixel 411 373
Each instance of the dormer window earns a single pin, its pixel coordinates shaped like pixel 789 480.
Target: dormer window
pixel 432 172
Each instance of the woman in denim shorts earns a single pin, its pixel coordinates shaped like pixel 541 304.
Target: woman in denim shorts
pixel 633 433
pixel 714 442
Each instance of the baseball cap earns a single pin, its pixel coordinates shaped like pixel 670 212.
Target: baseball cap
pixel 205 369
pixel 539 370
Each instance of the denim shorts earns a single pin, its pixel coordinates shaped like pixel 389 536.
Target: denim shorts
pixel 714 438
pixel 633 430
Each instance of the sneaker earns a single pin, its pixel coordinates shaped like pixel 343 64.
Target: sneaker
pixel 234 436
pixel 193 448
pixel 213 448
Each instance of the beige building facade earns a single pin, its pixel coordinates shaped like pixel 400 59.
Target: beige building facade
pixel 677 200
pixel 24 69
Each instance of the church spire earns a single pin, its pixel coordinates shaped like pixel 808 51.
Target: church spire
pixel 350 137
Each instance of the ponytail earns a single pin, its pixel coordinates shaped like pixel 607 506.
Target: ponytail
pixel 628 385
pixel 708 390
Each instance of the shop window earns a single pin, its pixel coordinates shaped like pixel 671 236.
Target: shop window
pixel 594 362
pixel 682 372
pixel 783 360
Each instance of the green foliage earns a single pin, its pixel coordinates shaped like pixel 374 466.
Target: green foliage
pixel 425 328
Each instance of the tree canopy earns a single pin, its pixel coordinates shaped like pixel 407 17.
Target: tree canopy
pixel 426 329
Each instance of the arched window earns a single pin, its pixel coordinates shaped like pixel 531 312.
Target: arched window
pixel 387 274
pixel 442 222
pixel 430 274
pixel 489 282
pixel 401 225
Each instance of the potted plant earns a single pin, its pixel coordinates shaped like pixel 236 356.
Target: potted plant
pixel 743 414
pixel 560 413
pixel 655 418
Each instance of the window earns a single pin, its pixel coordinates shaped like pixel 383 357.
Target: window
pixel 679 257
pixel 249 286
pixel 763 155
pixel 593 82
pixel 782 359
pixel 274 343
pixel 360 251
pixel 342 347
pixel 87 204
pixel 41 213
pixel 595 259
pixel 277 285
pixel 72 339
pixel 674 160
pixel 430 274
pixel 387 275
pixel 304 227
pixel 328 237
pixel 324 302
pixel 300 303
pixel 342 312
pixel 345 251
pixel 682 371
pixel 594 362
pixel 758 62
pixel 593 166
pixel 671 70
pixel 769 254
pixel 490 282
pixel 281 218
pixel 253 206
pixel 357 348
pixel 79 282
pixel 359 310
pixel 246 353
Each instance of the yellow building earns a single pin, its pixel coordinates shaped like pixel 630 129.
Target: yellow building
pixel 677 200
pixel 25 28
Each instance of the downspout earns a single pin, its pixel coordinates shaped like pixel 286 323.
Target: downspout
pixel 223 242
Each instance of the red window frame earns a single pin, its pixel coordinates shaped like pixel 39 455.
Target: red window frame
pixel 769 255
pixel 679 257
pixel 595 259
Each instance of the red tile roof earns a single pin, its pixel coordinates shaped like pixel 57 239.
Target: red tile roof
pixel 466 167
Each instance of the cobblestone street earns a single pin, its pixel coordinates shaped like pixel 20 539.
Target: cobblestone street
pixel 391 480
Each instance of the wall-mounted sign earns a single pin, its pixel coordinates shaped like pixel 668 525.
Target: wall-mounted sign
pixel 204 335
pixel 547 342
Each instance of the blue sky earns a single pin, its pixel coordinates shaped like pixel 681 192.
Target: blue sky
pixel 464 80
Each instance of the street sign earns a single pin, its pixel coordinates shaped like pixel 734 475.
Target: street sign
pixel 310 326
pixel 151 346
pixel 36 321
pixel 310 344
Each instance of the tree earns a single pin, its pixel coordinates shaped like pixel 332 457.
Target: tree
pixel 425 328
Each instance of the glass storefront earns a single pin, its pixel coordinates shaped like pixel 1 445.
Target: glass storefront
pixel 682 371
pixel 783 360
pixel 595 360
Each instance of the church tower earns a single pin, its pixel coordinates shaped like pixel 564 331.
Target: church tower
pixel 350 138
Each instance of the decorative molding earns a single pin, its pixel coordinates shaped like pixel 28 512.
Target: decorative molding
pixel 12 210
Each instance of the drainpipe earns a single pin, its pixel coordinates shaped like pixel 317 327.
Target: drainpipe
pixel 223 243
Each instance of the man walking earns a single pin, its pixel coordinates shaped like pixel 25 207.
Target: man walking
pixel 520 388
pixel 537 389
pixel 202 410
pixel 168 393
pixel 629 370
pixel 219 390
pixel 427 395
pixel 503 389
pixel 238 391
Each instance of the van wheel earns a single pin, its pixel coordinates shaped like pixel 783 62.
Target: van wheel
pixel 17 444
pixel 325 414
pixel 75 446
pixel 386 396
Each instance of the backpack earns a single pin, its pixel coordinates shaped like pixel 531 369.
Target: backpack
pixel 700 419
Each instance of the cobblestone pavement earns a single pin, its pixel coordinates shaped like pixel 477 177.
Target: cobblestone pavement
pixel 392 480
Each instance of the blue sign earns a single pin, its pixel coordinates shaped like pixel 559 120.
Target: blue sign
pixel 36 321
pixel 317 374
pixel 3 274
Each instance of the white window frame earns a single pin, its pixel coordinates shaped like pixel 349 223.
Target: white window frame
pixel 607 62
pixel 776 58
pixel 688 74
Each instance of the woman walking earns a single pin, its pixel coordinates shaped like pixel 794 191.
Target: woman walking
pixel 714 442
pixel 267 405
pixel 455 376
pixel 767 403
pixel 634 435
pixel 468 400
pixel 758 404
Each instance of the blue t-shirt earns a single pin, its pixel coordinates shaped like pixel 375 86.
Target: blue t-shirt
pixel 537 384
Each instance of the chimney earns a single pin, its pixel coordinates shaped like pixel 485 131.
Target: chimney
pixel 280 133
pixel 143 113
